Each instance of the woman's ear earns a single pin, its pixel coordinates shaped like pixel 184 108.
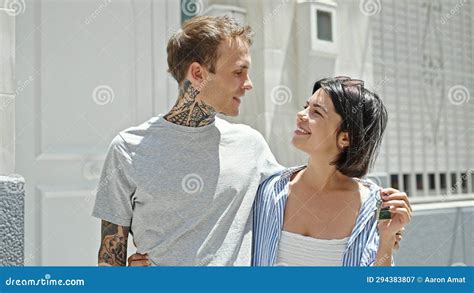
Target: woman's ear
pixel 343 140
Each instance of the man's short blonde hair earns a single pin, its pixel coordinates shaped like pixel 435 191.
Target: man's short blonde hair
pixel 198 41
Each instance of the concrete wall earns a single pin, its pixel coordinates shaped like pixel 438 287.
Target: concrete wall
pixel 438 237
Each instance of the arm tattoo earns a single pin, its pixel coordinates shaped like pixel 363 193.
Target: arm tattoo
pixel 188 111
pixel 113 248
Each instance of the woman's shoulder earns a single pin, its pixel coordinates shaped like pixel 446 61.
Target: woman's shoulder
pixel 277 181
pixel 270 182
pixel 282 175
pixel 372 190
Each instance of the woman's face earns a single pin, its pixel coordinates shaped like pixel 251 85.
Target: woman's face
pixel 317 125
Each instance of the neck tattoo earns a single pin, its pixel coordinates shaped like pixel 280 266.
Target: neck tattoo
pixel 188 111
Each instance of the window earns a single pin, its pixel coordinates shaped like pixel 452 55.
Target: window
pixel 324 25
pixel 442 180
pixel 406 183
pixel 454 183
pixel 394 181
pixel 431 181
pixel 472 179
pixel 464 182
pixel 419 181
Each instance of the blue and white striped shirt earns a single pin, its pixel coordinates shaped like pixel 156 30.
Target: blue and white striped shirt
pixel 268 213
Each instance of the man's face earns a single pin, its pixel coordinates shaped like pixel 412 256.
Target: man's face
pixel 222 90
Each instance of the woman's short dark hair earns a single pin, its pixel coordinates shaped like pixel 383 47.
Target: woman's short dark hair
pixel 364 118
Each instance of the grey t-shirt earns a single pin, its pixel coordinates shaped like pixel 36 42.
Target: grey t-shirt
pixel 186 192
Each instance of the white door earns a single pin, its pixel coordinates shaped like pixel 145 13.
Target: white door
pixel 85 70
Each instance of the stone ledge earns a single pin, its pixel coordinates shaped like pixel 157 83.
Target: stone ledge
pixel 12 185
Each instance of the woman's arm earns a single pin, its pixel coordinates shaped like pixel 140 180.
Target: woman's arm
pixel 113 248
pixel 384 253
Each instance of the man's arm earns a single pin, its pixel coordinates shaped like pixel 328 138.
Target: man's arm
pixel 113 248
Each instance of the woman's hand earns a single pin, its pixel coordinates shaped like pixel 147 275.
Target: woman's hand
pixel 390 230
pixel 400 209
pixel 139 260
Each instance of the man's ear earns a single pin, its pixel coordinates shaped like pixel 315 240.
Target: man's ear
pixel 343 140
pixel 195 74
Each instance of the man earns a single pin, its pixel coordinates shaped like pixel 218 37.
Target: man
pixel 184 183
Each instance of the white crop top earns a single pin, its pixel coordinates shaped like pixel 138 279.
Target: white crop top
pixel 298 250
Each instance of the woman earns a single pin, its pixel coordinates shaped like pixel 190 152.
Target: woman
pixel 325 213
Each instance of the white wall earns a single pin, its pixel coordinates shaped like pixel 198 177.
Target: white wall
pixel 7 91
